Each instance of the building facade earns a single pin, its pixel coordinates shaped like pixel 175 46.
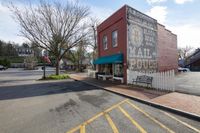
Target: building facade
pixel 131 40
pixel 24 51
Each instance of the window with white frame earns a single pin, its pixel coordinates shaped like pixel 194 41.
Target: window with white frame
pixel 114 38
pixel 105 42
pixel 118 70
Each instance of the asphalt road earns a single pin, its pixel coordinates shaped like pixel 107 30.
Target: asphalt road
pixel 13 76
pixel 58 107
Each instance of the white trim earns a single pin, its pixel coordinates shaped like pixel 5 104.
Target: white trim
pixel 119 78
pixel 105 47
pixel 104 76
pixel 116 39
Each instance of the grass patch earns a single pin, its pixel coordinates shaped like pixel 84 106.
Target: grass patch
pixel 56 77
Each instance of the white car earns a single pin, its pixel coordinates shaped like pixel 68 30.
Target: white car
pixel 181 69
pixel 2 67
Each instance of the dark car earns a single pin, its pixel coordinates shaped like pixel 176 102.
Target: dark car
pixel 3 67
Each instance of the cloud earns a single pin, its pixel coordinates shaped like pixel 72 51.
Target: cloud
pixel 155 1
pixel 176 1
pixel 182 1
pixel 100 12
pixel 159 13
pixel 3 9
pixel 8 27
pixel 187 34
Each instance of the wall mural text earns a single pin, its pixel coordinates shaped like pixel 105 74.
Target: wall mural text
pixel 142 42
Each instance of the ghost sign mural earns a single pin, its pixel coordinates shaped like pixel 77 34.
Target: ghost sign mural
pixel 142 42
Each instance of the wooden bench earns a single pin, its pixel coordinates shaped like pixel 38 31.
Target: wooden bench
pixel 143 79
pixel 104 76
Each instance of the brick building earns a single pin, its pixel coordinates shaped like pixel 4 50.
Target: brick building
pixel 167 49
pixel 131 40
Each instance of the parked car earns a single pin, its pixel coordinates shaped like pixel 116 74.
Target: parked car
pixel 3 67
pixel 181 69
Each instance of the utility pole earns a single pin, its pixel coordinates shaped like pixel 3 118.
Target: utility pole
pixel 95 37
pixel 95 42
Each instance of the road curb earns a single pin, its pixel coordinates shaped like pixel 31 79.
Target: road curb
pixel 153 104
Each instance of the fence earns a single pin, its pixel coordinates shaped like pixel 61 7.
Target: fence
pixel 161 80
pixel 91 73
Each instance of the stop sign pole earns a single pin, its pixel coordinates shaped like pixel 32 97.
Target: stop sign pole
pixel 45 59
pixel 44 70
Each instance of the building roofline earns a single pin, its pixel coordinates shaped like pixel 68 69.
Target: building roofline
pixel 125 6
pixel 141 12
pixel 196 51
pixel 166 29
pixel 111 15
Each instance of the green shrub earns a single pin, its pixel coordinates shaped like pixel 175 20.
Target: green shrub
pixel 5 62
pixel 17 59
pixel 13 59
pixel 57 77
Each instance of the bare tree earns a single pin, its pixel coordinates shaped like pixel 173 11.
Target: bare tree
pixel 92 36
pixel 184 52
pixel 56 27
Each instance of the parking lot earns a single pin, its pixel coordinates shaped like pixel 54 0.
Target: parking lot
pixel 32 106
pixel 129 116
pixel 188 82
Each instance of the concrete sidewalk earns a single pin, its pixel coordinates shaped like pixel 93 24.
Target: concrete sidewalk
pixel 184 102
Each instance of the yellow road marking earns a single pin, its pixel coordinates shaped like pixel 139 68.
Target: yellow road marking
pixel 114 106
pixel 184 123
pixel 106 111
pixel 150 117
pixel 93 118
pixel 132 120
pixel 96 116
pixel 114 128
pixel 82 130
pixel 74 129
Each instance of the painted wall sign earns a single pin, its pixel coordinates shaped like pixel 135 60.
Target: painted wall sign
pixel 142 42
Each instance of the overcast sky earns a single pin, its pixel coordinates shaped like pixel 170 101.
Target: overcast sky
pixel 180 16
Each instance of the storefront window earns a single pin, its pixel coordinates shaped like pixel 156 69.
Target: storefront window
pixel 114 38
pixel 106 69
pixel 118 70
pixel 105 42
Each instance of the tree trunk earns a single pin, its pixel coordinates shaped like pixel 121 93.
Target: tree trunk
pixel 57 67
pixel 78 66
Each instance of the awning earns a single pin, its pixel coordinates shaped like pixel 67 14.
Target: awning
pixel 112 59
